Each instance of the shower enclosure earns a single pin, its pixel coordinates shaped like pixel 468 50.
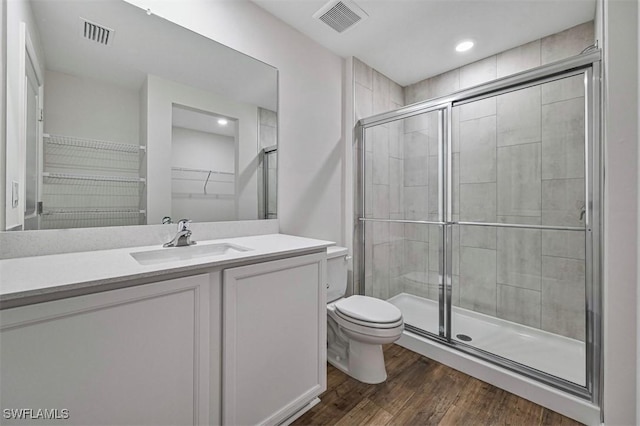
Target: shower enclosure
pixel 478 215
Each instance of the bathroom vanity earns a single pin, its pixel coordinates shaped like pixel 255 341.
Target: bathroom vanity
pixel 233 332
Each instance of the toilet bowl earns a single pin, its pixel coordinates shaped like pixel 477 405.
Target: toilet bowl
pixel 358 326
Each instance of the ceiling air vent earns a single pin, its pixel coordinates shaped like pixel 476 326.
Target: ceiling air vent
pixel 96 33
pixel 341 14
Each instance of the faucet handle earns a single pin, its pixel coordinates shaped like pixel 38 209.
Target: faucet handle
pixel 183 224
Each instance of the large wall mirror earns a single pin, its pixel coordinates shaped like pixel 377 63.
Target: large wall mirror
pixel 118 117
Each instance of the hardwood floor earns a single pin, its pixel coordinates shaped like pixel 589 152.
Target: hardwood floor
pixel 420 391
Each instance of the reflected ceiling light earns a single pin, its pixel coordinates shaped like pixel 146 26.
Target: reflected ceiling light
pixel 463 46
pixel 222 121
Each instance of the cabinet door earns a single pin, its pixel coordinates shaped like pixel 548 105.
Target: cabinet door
pixel 274 339
pixel 137 355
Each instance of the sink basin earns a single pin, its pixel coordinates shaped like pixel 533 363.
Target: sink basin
pixel 172 254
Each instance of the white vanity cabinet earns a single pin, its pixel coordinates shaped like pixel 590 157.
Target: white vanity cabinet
pixel 274 339
pixel 137 355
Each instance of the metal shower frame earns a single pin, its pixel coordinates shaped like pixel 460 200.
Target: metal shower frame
pixel 587 64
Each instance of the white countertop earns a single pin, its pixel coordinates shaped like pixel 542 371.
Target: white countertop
pixel 26 277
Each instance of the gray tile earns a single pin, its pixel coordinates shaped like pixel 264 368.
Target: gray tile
pixel 477 109
pixel 381 271
pixel 380 155
pixel 396 230
pixel 268 117
pixel 478 236
pixel 563 139
pixel 519 180
pixel 416 261
pixel 562 202
pixel 478 150
pixel 432 132
pixel 434 286
pixel 445 83
pixel 396 186
pixel 381 93
pixel 416 123
pixel 380 232
pixel 396 94
pixel 563 89
pixel 416 159
pixel 415 202
pixel 519 59
pixel 478 72
pixel 478 280
pixel 395 286
pixel 519 258
pixel 416 232
pixel 363 102
pixel 412 285
pixel 363 74
pixel 563 296
pixel 396 258
pixel 369 139
pixel 519 305
pixel 567 43
pixel 570 244
pixel 417 92
pixel 478 202
pixel 519 117
pixel 396 172
pixel 368 285
pixel 268 136
pixel 368 249
pixel 380 197
pixel 455 290
pixel 396 139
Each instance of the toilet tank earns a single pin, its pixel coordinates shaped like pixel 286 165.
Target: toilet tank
pixel 337 267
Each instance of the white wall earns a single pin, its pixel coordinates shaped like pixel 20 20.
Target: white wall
pixel 18 11
pixel 161 95
pixel 3 105
pixel 311 151
pixel 205 151
pixel 87 108
pixel 621 211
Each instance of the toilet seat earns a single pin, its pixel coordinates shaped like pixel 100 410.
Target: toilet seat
pixel 368 312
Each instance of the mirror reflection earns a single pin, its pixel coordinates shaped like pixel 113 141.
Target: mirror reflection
pixel 128 119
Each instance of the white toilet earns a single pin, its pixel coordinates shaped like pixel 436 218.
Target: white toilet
pixel 357 326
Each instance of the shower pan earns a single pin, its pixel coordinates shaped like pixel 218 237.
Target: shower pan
pixel 478 215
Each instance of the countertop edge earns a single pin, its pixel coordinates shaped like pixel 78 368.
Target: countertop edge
pixel 56 292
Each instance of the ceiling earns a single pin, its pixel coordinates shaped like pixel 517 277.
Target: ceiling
pixel 144 45
pixel 410 40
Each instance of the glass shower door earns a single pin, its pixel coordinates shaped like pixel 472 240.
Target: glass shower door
pixel 520 222
pixel 403 217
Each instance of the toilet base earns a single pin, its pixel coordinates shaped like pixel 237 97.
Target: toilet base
pixel 365 362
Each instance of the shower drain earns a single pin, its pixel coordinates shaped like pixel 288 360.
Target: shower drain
pixel 463 337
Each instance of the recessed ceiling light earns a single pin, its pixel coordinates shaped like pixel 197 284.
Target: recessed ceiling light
pixel 222 122
pixel 464 46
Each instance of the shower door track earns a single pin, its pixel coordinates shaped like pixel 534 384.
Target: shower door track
pixel 587 64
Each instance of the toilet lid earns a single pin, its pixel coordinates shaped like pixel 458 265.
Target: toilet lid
pixel 368 309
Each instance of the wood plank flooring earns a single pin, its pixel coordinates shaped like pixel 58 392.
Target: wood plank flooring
pixel 420 391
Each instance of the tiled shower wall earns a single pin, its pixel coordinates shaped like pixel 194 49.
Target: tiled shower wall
pixel 517 159
pixel 268 136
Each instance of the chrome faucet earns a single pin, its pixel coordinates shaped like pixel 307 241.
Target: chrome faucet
pixel 183 237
